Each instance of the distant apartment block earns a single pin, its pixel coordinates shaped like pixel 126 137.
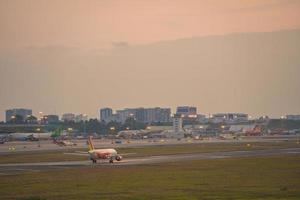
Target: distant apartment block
pixel 157 115
pixel 187 111
pixel 11 113
pixel 113 117
pixel 229 118
pixel 145 115
pixel 201 118
pixel 81 118
pixel 50 119
pixel 293 117
pixel 68 117
pixel 105 114
pixel 126 113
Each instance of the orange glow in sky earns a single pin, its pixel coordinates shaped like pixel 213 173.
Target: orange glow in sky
pixel 97 24
pixel 77 56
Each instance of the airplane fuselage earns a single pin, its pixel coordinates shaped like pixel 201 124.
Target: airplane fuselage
pixel 96 154
pixel 111 154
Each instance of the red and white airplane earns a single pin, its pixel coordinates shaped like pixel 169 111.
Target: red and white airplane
pixel 96 154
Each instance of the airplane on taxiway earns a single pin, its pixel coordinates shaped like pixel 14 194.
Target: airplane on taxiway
pixel 98 154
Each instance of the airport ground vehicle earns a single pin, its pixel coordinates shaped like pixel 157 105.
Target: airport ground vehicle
pixel 64 143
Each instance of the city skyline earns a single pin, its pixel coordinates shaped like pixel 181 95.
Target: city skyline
pixel 174 112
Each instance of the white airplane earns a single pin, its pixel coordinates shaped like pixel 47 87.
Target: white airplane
pixel 96 154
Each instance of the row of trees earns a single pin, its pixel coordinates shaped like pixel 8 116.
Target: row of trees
pixel 19 119
pixel 90 126
pixel 99 127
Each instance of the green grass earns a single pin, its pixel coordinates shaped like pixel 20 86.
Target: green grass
pixel 38 157
pixel 51 156
pixel 275 177
pixel 208 147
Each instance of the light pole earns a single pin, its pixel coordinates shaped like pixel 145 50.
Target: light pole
pixel 39 142
pixel 282 119
pixel 70 130
pixel 84 127
pixel 112 131
pixel 223 128
pixel 27 120
pixel 84 124
pixel 40 117
pixel 12 119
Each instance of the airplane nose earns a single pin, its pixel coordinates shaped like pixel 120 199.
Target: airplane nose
pixel 118 158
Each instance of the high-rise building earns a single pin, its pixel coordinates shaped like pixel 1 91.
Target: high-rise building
pixel 113 117
pixel 11 113
pixel 293 117
pixel 187 111
pixel 126 113
pixel 50 119
pixel 229 118
pixel 105 113
pixel 81 117
pixel 202 118
pixel 157 115
pixel 68 117
pixel 145 115
pixel 140 114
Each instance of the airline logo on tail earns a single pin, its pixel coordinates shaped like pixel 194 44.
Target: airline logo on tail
pixel 90 143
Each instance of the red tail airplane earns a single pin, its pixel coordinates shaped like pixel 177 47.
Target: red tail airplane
pixel 96 154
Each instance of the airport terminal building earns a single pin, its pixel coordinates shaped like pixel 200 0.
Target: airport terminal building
pixel 229 118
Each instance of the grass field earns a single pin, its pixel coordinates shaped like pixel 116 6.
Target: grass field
pixel 21 157
pixel 275 177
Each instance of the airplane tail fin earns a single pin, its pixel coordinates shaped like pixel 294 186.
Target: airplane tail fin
pixel 90 143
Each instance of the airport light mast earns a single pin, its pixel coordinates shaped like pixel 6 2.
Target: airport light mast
pixel 39 142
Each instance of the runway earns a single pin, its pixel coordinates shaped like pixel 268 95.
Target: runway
pixel 19 168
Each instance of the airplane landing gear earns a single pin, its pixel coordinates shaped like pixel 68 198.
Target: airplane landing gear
pixel 94 161
pixel 111 161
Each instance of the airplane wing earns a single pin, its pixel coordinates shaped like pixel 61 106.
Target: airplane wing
pixel 78 154
pixel 126 154
pixel 83 152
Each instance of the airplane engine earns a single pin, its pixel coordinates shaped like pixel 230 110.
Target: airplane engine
pixel 118 158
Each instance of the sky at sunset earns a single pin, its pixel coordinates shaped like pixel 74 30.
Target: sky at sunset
pixel 80 55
